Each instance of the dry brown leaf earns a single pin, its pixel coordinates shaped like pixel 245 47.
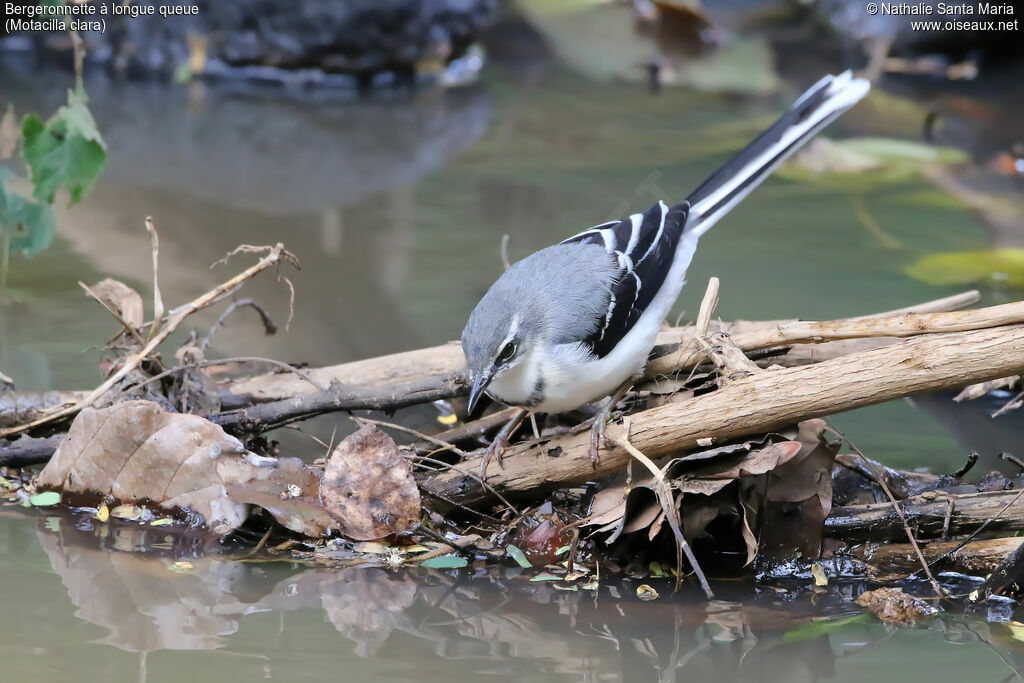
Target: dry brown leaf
pixel 121 298
pixel 136 451
pixel 369 488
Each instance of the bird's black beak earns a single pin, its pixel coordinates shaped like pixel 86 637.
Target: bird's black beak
pixel 477 390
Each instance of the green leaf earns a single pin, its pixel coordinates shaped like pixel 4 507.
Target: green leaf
pixel 45 499
pixel 546 577
pixel 27 224
pixel 65 151
pixel 819 627
pixel 1003 266
pixel 519 556
pixel 563 550
pixel 445 562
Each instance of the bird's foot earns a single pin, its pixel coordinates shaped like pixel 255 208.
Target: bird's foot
pixel 598 431
pixel 501 441
pixel 495 450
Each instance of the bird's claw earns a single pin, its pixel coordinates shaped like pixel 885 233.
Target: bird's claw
pixel 496 450
pixel 598 434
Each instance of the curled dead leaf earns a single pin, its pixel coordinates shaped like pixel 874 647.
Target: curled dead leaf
pixel 369 488
pixel 122 299
pixel 137 451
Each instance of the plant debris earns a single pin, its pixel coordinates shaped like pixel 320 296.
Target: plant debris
pixel 893 606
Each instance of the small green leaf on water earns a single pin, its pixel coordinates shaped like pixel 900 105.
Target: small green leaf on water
pixel 563 550
pixel 519 556
pixel 657 570
pixel 819 627
pixel 163 521
pixel 445 562
pixel 545 577
pixel 45 499
pixel 1005 266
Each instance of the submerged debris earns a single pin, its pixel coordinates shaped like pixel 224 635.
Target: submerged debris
pixel 893 606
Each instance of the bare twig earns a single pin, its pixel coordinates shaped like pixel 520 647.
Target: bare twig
pixel 880 480
pixel 504 252
pixel 445 446
pixel 158 301
pixel 664 493
pixel 159 334
pixel 268 325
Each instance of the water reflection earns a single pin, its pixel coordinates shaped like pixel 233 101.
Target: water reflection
pixel 171 597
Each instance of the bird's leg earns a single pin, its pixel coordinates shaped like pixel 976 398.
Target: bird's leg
pixel 597 430
pixel 501 440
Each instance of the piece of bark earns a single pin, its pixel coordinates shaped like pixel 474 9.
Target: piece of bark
pixel 977 557
pixel 760 403
pixel 27 451
pixel 1007 579
pixel 926 514
pixel 19 407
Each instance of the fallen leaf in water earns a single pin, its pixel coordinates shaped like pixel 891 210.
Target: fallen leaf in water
pixel 1003 266
pixel 45 499
pixel 1016 630
pixel 445 562
pixel 136 451
pixel 128 512
pixel 519 556
pixel 892 605
pixel 819 574
pixel 369 488
pixel 102 513
pixel 860 163
pixel 645 592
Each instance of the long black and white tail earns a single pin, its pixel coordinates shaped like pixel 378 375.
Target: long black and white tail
pixel 820 105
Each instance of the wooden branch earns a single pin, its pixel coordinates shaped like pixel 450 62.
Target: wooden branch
pixel 760 403
pixel 27 451
pixel 263 417
pixel 802 332
pixel 385 375
pixel 977 557
pixel 18 407
pixel 927 513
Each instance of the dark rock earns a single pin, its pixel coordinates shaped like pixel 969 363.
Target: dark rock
pixel 356 37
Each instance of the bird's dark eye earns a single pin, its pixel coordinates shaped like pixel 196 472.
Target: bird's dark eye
pixel 507 352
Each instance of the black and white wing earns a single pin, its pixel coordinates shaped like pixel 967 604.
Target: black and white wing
pixel 644 245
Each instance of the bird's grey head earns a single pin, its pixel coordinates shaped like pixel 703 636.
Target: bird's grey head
pixel 502 328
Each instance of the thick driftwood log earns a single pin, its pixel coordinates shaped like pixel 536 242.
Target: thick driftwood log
pixel 386 375
pixel 977 557
pixel 760 403
pixel 926 514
